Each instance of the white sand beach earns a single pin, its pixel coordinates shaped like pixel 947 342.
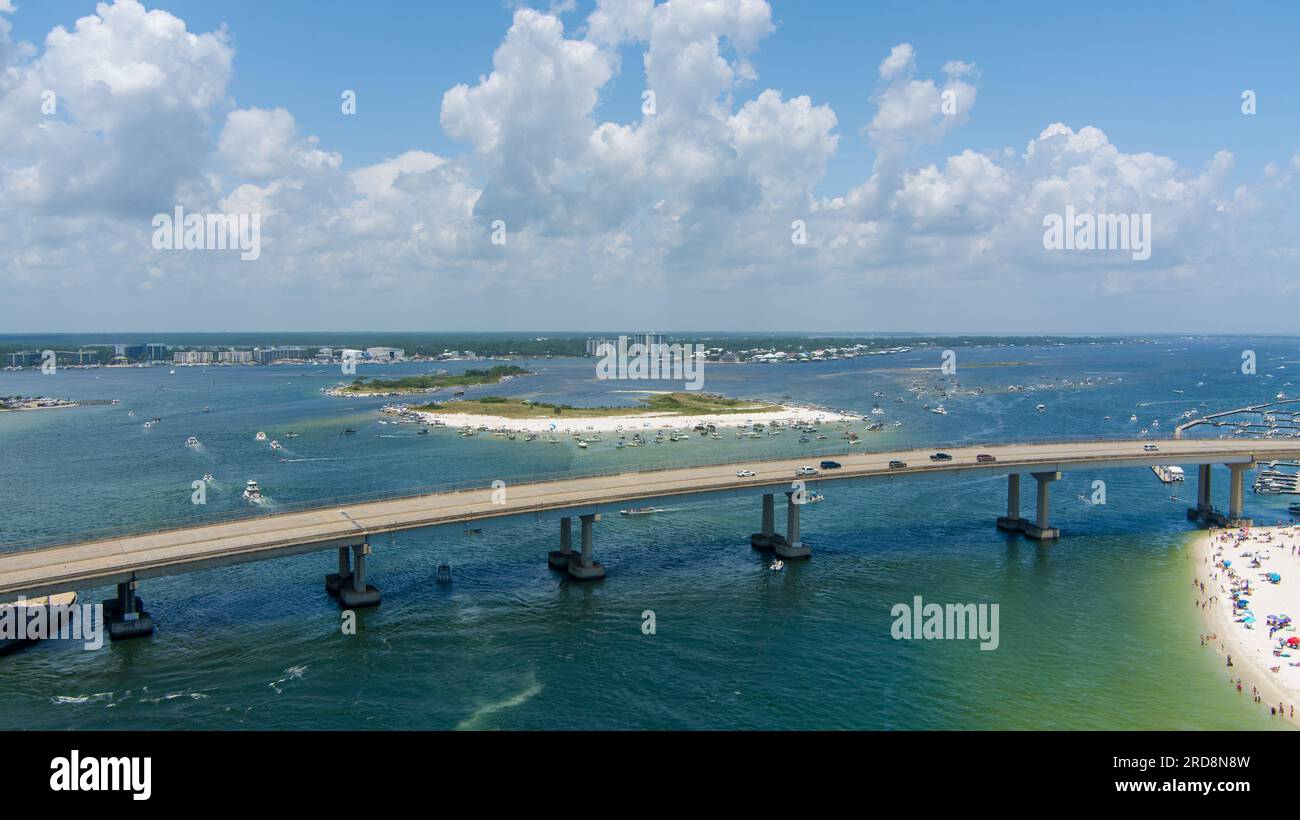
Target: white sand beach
pixel 1240 562
pixel 788 414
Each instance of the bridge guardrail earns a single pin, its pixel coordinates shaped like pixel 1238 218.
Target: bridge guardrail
pixel 443 488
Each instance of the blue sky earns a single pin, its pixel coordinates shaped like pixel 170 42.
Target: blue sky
pixel 1160 80
pixel 1156 76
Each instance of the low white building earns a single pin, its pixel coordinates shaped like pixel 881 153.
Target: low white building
pixel 385 354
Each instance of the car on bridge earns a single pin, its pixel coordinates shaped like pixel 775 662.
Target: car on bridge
pixel 744 474
pixel 941 457
pixel 831 465
pixel 984 458
pixel 896 464
pixel 1150 448
pixel 806 471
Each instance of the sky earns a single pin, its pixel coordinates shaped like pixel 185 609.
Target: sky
pixel 819 166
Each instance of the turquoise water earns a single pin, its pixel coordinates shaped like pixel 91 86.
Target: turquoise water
pixel 1097 631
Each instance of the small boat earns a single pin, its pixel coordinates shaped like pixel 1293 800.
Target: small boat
pixel 582 445
pixel 349 432
pixel 634 511
pixel 424 431
pixel 275 445
pixel 814 498
pixel 290 434
pixel 207 478
pixel 260 436
pixel 191 442
pixel 252 492
pixel 777 565
pixel 444 573
pixel 1042 408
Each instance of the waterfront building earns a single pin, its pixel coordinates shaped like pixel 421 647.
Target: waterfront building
pixel 385 354
pixel 235 356
pixel 192 357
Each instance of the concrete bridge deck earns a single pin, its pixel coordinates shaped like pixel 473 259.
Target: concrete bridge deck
pixel 126 559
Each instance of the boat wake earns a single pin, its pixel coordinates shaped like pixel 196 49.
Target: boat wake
pixel 95 698
pixel 292 673
pixel 489 709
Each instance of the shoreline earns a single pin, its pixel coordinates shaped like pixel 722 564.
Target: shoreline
pixel 631 421
pixel 1251 650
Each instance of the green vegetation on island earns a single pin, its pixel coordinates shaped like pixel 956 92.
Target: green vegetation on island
pixel 428 382
pixel 677 404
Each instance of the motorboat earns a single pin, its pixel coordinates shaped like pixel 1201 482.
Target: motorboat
pixel 191 442
pixel 260 436
pixel 275 445
pixel 635 511
pixel 252 492
pixel 207 478
pixel 1042 408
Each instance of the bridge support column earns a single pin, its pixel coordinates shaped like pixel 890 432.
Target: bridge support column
pixel 125 615
pixel 1039 529
pixel 337 580
pixel 1012 522
pixel 560 559
pixel 583 567
pixel 1236 496
pixel 768 538
pixel 791 547
pixel 1204 510
pixel 358 593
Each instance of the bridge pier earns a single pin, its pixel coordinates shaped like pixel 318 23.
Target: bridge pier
pixel 768 538
pixel 583 567
pixel 1236 495
pixel 1204 511
pixel 335 581
pixel 791 548
pixel 559 559
pixel 358 593
pixel 125 615
pixel 1040 529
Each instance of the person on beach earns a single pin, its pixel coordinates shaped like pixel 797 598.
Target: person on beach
pixel 1230 664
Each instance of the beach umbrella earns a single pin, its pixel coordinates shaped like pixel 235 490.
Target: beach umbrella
pixel 1249 619
pixel 1227 563
pixel 1293 641
pixel 1274 577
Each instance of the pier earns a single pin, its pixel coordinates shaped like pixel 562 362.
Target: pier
pixel 350 529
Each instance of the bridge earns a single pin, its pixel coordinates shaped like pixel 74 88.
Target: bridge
pixel 350 527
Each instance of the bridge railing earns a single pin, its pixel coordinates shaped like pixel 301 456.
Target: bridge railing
pixel 890 445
